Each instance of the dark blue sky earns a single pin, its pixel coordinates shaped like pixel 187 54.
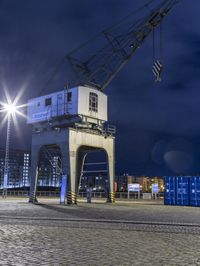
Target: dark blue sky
pixel 158 129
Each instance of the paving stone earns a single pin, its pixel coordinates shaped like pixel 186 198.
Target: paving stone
pixel 66 237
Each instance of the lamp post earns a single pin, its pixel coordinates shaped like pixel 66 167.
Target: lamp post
pixel 10 109
pixel 6 165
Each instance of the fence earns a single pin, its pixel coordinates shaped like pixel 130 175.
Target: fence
pixel 124 195
pixel 119 195
pixel 22 193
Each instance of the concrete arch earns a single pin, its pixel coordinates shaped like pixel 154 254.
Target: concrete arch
pixel 74 145
pixel 107 178
pixel 35 162
pixel 79 143
pixel 82 153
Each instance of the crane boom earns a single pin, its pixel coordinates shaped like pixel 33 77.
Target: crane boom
pixel 98 69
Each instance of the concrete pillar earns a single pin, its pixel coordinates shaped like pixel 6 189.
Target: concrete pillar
pixel 73 187
pixel 76 161
pixel 111 175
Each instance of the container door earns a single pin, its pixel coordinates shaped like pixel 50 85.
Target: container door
pixel 60 104
pixel 170 190
pixel 195 191
pixel 182 190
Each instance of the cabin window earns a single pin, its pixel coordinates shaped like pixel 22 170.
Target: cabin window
pixel 47 101
pixel 69 96
pixel 93 102
pixel 38 104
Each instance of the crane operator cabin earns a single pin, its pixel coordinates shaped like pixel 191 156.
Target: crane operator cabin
pixel 87 104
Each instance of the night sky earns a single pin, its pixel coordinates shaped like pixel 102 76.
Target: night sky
pixel 158 125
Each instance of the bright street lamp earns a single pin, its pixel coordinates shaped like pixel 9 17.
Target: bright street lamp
pixel 10 109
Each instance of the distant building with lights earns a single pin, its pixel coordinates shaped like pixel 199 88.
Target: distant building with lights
pixel 19 167
pixel 19 163
pixel 49 175
pixel 144 181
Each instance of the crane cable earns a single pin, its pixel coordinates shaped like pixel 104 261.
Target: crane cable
pixel 161 41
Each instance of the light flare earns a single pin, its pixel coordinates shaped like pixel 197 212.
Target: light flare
pixel 11 107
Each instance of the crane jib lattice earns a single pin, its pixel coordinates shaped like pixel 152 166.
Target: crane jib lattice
pixel 98 61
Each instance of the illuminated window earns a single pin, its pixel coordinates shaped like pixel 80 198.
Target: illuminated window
pixel 93 102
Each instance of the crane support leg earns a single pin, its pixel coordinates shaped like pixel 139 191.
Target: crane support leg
pixel 34 173
pixel 74 145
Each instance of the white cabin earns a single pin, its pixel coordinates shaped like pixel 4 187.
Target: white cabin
pixel 77 101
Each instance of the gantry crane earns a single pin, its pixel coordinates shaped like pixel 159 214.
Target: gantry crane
pixel 74 119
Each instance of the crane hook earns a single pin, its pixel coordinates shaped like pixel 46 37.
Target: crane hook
pixel 157 69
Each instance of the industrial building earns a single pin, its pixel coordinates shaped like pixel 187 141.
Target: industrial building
pixel 49 174
pixel 19 164
pixel 19 170
pixel 144 181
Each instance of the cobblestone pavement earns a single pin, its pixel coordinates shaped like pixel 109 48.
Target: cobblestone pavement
pixel 98 234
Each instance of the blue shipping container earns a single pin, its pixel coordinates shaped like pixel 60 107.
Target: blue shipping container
pixel 195 191
pixel 170 190
pixel 182 191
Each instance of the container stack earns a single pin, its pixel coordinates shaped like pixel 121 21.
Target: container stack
pixel 170 190
pixel 182 190
pixel 194 191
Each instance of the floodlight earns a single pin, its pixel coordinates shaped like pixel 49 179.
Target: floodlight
pixel 10 108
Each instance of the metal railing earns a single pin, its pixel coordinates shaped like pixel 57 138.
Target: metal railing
pixel 22 193
pixel 124 195
pixel 119 195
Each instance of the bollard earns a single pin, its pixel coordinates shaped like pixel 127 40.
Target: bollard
pixel 89 195
pixel 63 189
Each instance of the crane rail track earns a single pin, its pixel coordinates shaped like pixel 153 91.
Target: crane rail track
pixel 106 224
